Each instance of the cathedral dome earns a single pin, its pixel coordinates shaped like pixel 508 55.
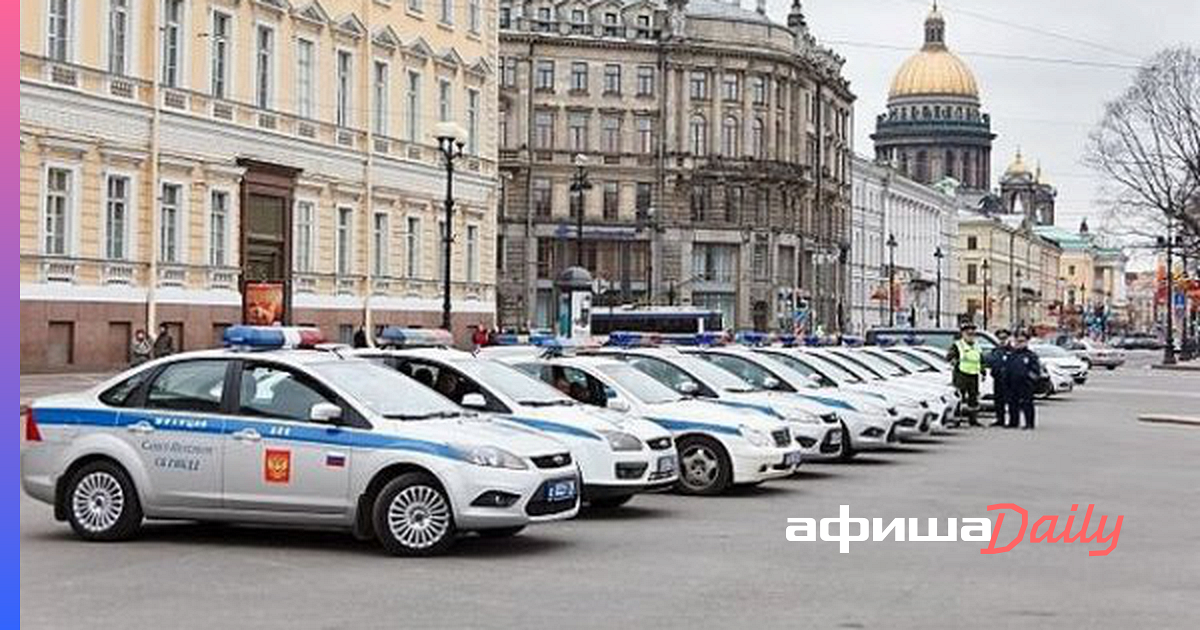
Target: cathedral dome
pixel 934 70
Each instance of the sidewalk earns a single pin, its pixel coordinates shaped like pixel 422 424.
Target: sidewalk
pixel 1187 421
pixel 38 385
pixel 1183 366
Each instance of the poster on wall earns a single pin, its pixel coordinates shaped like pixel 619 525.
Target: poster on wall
pixel 263 303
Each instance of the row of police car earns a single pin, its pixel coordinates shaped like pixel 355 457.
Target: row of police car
pixel 414 443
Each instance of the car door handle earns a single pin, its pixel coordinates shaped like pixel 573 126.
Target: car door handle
pixel 247 435
pixel 141 428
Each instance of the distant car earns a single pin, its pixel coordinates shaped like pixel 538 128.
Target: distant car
pixel 1055 358
pixel 1095 354
pixel 941 338
pixel 1139 341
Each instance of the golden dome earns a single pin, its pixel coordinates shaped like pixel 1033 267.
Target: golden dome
pixel 1017 167
pixel 934 70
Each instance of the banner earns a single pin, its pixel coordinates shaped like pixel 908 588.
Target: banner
pixel 263 303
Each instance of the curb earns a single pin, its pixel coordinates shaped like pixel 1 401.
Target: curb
pixel 1178 367
pixel 1187 421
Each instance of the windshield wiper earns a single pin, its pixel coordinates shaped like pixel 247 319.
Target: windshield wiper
pixel 425 416
pixel 548 403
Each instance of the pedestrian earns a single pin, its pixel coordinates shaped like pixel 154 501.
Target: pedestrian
pixel 1023 370
pixel 479 337
pixel 164 345
pixel 140 349
pixel 997 365
pixel 360 338
pixel 967 359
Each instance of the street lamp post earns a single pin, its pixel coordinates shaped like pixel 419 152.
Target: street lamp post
pixel 1016 302
pixel 891 245
pixel 939 255
pixel 579 183
pixel 987 285
pixel 450 143
pixel 1169 350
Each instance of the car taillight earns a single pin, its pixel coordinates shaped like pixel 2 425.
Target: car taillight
pixel 31 429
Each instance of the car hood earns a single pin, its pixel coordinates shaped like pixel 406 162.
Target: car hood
pixel 580 421
pixel 479 430
pixel 721 416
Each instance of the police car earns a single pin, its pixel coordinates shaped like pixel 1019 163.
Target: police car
pixel 618 455
pixel 920 408
pixel 260 433
pixel 719 445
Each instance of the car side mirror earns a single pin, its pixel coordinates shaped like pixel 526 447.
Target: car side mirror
pixel 474 400
pixel 618 405
pixel 771 383
pixel 815 380
pixel 688 388
pixel 325 413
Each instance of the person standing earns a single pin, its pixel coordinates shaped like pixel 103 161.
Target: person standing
pixel 967 359
pixel 997 364
pixel 140 349
pixel 164 345
pixel 1023 371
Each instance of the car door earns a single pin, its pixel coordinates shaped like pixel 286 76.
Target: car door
pixel 175 426
pixel 276 458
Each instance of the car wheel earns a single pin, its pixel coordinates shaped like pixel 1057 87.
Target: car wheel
pixel 500 532
pixel 704 467
pixel 413 517
pixel 102 503
pixel 610 502
pixel 848 451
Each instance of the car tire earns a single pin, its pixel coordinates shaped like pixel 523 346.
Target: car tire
pixel 102 502
pixel 704 466
pixel 501 532
pixel 608 503
pixel 848 451
pixel 413 517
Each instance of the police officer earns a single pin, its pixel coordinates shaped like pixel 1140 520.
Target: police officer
pixel 967 359
pixel 997 364
pixel 1023 369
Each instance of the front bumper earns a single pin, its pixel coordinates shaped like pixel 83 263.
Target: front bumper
pixel 533 506
pixel 818 441
pixel 868 432
pixel 754 464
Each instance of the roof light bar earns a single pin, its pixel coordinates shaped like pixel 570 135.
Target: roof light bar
pixel 397 337
pixel 272 337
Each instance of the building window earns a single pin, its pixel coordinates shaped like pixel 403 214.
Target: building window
pixel 731 87
pixel 645 134
pixel 543 130
pixel 414 247
pixel 508 72
pixel 172 42
pixel 645 81
pixel 577 131
pixel 345 86
pixel 714 262
pixel 761 256
pixel 541 197
pixel 758 90
pixel 579 24
pixel 505 16
pixel 116 217
pixel 734 198
pixel 416 6
pixel 445 101
pixel 345 218
pixel 473 121
pixel 544 20
pixel 643 198
pixel 118 36
pixel 412 115
pixel 379 245
pixel 610 134
pixel 446 14
pixel 643 27
pixel 1070 269
pixel 304 236
pixel 612 79
pixel 472 253
pixel 730 130
pixel 218 227
pixel 758 138
pixel 305 64
pixel 698 135
pixel 220 54
pixel 263 83
pixel 701 201
pixel 169 223
pixel 579 77
pixel 612 24
pixel 473 17
pixel 59 191
pixel 544 76
pixel 972 274
pixel 381 98
pixel 698 85
pixel 972 242
pixel 58 43
pixel 502 129
pixel 611 200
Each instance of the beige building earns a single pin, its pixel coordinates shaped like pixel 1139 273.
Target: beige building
pixel 1093 275
pixel 173 150
pixel 717 145
pixel 1009 275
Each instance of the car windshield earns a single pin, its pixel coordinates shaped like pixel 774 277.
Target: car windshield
pixel 743 368
pixel 1053 352
pixel 856 366
pixel 796 365
pixel 914 361
pixel 635 382
pixel 515 384
pixel 385 391
pixel 714 376
pixel 834 369
pixel 884 363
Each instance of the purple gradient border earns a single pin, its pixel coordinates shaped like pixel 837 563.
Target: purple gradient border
pixel 10 165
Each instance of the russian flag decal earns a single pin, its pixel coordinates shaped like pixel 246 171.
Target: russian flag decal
pixel 335 460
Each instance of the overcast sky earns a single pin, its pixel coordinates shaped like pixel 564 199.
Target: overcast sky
pixel 1045 108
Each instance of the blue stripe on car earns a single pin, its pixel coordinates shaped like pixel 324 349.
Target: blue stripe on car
pixel 831 402
pixel 678 426
pixel 555 427
pixel 742 405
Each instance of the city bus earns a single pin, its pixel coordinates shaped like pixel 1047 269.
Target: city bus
pixel 668 320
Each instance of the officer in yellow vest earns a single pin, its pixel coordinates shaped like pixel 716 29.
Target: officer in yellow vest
pixel 967 359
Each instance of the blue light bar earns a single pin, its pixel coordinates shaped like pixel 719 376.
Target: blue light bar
pixel 510 339
pixel 397 337
pixel 631 339
pixel 272 337
pixel 752 338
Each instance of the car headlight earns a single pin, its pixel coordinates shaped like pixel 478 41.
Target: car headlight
pixel 755 436
pixel 492 457
pixel 621 441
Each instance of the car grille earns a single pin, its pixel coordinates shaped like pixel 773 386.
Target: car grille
pixel 539 506
pixel 556 460
pixel 782 437
pixel 659 444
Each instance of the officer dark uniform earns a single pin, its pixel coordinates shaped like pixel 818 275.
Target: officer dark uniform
pixel 997 364
pixel 1023 370
pixel 967 359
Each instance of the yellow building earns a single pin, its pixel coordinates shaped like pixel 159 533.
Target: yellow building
pixel 1009 274
pixel 174 150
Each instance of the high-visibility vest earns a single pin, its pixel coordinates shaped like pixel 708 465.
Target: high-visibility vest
pixel 970 358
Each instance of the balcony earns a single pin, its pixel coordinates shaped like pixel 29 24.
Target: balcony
pixel 59 271
pixel 119 274
pixel 224 278
pixel 172 276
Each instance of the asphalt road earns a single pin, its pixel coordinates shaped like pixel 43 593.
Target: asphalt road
pixel 669 561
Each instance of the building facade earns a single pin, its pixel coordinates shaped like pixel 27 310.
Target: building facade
pixel 923 221
pixel 716 146
pixel 1009 275
pixel 1093 276
pixel 173 151
pixel 1023 188
pixel 934 127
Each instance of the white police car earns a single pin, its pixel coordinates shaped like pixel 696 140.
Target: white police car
pixel 306 437
pixel 618 455
pixel 719 445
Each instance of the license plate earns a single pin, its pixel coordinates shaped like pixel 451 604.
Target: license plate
pixel 666 464
pixel 835 438
pixel 792 459
pixel 560 490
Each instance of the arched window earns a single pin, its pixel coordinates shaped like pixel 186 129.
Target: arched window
pixel 698 135
pixel 730 130
pixel 758 138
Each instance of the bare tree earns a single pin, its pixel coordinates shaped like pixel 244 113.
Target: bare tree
pixel 1147 147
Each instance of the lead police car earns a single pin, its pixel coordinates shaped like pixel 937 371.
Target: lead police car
pixel 618 455
pixel 290 437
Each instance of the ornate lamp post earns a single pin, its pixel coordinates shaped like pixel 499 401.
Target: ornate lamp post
pixel 579 183
pixel 891 245
pixel 450 139
pixel 939 255
pixel 987 284
pixel 1169 243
